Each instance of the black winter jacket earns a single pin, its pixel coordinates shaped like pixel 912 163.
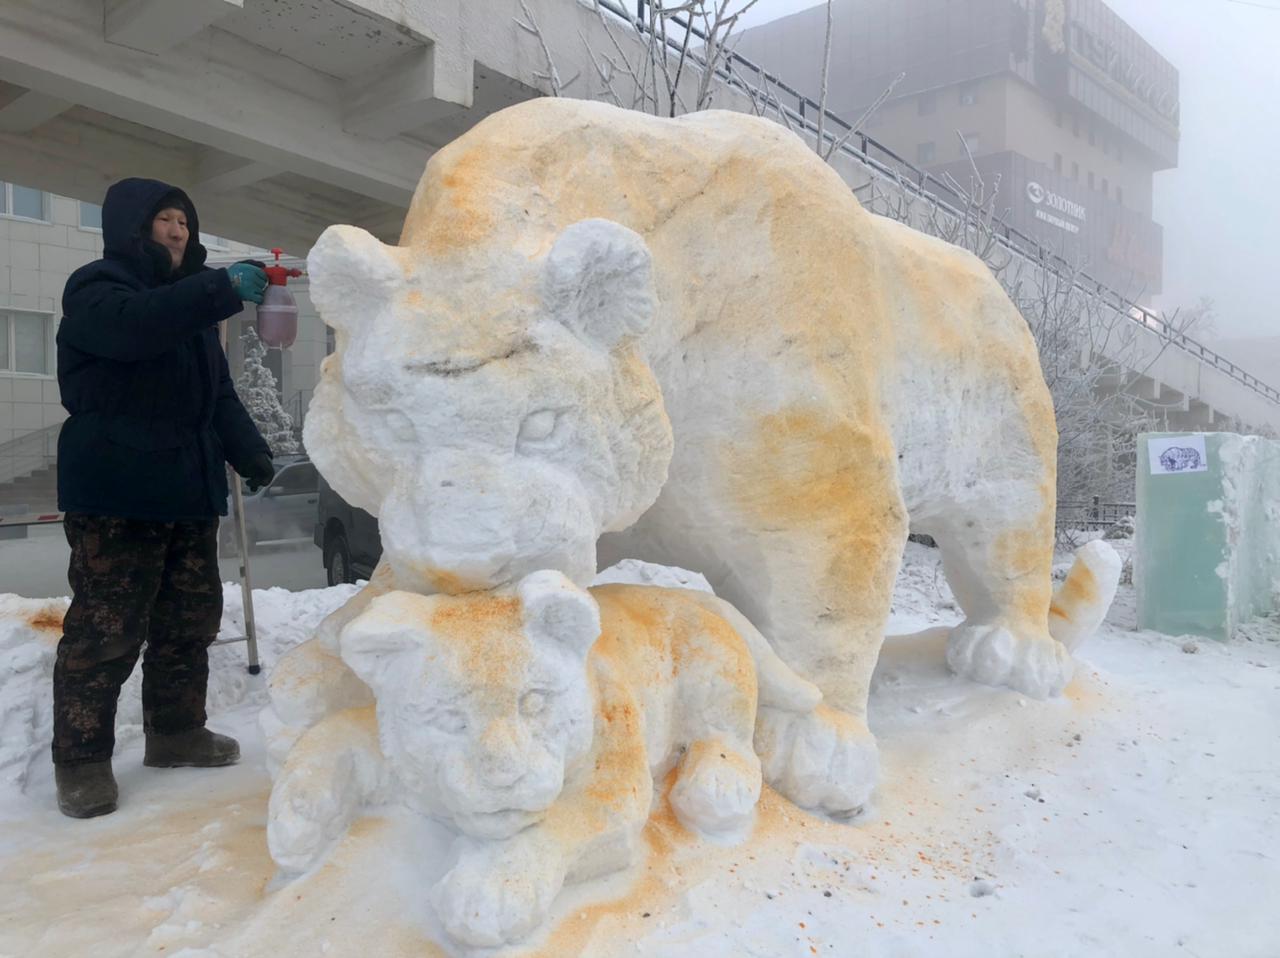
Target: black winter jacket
pixel 154 415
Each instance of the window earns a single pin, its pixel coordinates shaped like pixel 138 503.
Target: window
pixel 1091 179
pixel 23 201
pixel 1106 187
pixel 1075 125
pixel 1059 119
pixel 1120 195
pixel 1075 171
pixel 25 342
pixel 90 216
pixel 927 104
pixel 926 152
pixel 296 480
pixel 974 142
pixel 1057 163
pixel 968 97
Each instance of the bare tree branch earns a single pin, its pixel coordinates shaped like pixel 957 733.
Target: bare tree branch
pixel 867 114
pixel 552 75
pixel 822 100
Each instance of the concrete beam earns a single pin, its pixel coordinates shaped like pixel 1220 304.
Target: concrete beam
pixel 417 88
pixel 220 173
pixel 271 110
pixel 158 25
pixel 81 160
pixel 29 110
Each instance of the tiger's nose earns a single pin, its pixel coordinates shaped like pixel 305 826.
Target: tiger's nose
pixel 505 751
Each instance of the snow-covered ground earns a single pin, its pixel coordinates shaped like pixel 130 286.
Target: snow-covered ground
pixel 1139 815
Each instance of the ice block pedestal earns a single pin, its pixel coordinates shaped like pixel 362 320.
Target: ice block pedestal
pixel 1207 555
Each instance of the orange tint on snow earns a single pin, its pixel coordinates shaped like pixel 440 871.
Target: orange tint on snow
pixel 47 620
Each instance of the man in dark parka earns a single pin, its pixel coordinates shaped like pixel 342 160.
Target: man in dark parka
pixel 141 478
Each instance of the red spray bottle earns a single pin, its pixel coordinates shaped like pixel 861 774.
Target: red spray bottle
pixel 278 314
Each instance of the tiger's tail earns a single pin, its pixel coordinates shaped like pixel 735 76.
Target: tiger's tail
pixel 1081 602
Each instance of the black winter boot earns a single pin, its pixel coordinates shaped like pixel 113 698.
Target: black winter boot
pixel 197 748
pixel 86 790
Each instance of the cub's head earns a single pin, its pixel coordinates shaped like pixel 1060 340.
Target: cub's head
pixel 492 408
pixel 484 702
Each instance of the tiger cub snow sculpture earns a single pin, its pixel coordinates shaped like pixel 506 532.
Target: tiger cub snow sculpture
pixel 687 336
pixel 536 721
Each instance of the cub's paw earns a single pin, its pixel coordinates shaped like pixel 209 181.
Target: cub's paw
pixel 717 788
pixel 1037 665
pixel 303 821
pixel 824 759
pixel 279 737
pixel 499 892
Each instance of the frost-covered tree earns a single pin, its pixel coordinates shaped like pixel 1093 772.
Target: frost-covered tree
pixel 259 392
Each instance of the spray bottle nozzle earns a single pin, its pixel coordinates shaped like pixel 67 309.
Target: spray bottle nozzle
pixel 280 275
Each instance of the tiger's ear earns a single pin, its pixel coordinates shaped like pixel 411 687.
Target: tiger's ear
pixel 556 610
pixel 352 275
pixel 376 642
pixel 598 282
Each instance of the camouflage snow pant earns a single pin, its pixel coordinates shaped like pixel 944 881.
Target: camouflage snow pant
pixel 134 582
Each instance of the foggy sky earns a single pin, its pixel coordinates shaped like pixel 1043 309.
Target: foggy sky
pixel 1220 208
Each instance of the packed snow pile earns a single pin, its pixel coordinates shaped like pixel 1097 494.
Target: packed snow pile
pixel 29 633
pixel 1138 815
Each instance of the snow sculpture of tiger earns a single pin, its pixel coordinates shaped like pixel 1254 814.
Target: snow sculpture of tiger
pixel 535 721
pixel 686 335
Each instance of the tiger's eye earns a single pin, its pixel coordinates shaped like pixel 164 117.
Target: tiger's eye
pixel 451 722
pixel 533 703
pixel 537 426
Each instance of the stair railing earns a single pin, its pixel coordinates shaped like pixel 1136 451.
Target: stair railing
pixel 30 453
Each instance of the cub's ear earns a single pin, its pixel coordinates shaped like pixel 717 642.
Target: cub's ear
pixel 375 642
pixel 556 610
pixel 353 275
pixel 598 281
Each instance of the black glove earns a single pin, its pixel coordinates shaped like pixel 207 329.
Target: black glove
pixel 259 472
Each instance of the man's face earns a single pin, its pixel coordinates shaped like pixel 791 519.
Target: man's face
pixel 169 229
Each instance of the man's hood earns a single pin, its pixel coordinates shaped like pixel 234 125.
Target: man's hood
pixel 127 212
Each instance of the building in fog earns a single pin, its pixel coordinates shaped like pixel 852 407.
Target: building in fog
pixel 1060 99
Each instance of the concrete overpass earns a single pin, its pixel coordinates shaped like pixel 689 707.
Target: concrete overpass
pixel 283 116
pixel 280 116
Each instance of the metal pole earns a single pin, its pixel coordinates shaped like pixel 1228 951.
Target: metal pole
pixel 246 586
pixel 242 537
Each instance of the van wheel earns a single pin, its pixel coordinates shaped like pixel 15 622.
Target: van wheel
pixel 337 560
